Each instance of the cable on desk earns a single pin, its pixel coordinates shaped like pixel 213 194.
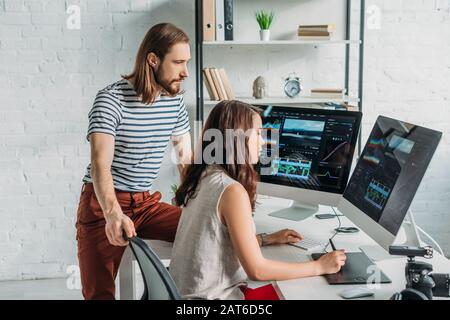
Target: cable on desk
pixel 335 232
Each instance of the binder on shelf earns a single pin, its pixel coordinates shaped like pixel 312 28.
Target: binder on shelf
pixel 228 17
pixel 220 20
pixel 227 84
pixel 209 20
pixel 215 78
pixel 210 85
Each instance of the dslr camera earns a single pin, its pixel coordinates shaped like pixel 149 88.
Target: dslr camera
pixel 421 284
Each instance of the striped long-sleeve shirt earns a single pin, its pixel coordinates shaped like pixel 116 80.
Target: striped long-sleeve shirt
pixel 142 132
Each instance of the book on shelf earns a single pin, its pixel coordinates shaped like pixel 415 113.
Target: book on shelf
pixel 221 86
pixel 351 107
pixel 327 93
pixel 315 32
pixel 330 90
pixel 323 27
pixel 213 95
pixel 227 84
pixel 218 84
pixel 300 37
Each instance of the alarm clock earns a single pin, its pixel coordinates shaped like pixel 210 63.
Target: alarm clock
pixel 292 86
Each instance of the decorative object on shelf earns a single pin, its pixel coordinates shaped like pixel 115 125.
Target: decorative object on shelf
pixel 259 88
pixel 292 86
pixel 264 19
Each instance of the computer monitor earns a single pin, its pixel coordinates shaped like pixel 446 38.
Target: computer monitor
pixel 387 176
pixel 307 156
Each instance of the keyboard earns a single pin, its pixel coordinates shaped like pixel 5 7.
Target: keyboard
pixel 310 244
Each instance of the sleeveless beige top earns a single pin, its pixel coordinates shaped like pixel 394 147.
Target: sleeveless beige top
pixel 204 264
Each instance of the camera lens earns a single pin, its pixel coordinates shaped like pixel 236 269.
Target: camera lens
pixel 442 284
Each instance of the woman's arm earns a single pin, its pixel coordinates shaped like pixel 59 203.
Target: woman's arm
pixel 280 237
pixel 235 212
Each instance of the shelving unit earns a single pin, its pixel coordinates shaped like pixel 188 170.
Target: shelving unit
pixel 287 101
pixel 279 42
pixel 347 43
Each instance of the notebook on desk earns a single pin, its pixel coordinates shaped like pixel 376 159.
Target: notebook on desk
pixel 358 269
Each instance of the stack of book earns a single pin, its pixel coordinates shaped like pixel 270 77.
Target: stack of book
pixel 316 32
pixel 217 84
pixel 328 93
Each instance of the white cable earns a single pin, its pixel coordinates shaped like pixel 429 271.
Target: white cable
pixel 432 240
pixel 438 247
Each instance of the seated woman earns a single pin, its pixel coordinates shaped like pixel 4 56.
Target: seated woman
pixel 215 248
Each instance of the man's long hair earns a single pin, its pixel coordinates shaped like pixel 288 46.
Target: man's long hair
pixel 226 115
pixel 159 40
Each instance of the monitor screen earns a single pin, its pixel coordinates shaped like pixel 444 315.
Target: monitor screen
pixel 308 148
pixel 390 170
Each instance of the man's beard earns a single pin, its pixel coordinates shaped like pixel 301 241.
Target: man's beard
pixel 172 88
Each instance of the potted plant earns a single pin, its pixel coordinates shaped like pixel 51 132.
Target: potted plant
pixel 174 188
pixel 264 19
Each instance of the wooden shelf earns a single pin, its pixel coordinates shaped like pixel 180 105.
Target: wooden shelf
pixel 280 42
pixel 287 101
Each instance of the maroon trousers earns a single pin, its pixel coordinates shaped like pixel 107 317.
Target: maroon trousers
pixel 99 260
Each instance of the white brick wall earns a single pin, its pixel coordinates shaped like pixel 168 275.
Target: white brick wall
pixel 50 74
pixel 407 76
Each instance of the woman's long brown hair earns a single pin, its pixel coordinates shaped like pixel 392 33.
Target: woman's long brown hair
pixel 225 115
pixel 159 39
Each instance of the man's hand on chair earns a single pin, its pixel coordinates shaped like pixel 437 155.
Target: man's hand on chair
pixel 116 223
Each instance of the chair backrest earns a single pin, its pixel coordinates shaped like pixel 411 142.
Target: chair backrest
pixel 158 283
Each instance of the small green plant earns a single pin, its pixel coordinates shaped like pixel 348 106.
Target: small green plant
pixel 174 188
pixel 264 19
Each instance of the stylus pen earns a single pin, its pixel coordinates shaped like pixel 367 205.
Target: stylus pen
pixel 332 245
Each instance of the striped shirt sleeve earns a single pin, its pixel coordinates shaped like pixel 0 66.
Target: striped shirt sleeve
pixel 105 115
pixel 182 126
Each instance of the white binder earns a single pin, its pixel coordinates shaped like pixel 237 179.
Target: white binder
pixel 220 21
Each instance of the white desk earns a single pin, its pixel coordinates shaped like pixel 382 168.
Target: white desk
pixel 306 288
pixel 317 287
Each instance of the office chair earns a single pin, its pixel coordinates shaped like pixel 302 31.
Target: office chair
pixel 158 283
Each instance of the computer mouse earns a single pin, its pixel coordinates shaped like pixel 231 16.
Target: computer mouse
pixel 355 293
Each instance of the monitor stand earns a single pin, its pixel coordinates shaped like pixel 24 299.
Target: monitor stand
pixel 297 211
pixel 408 235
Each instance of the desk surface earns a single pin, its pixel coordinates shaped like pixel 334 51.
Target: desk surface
pixel 317 287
